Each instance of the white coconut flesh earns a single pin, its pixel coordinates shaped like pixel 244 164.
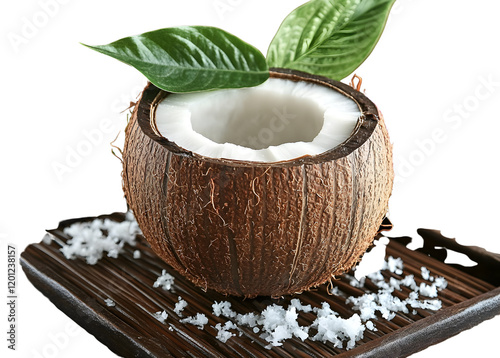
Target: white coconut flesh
pixel 278 120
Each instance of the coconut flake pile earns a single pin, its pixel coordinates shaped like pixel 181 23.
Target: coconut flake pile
pixel 387 304
pixel 278 324
pixel 275 121
pixel 91 240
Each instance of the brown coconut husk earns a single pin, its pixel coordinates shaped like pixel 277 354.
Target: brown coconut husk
pixel 247 228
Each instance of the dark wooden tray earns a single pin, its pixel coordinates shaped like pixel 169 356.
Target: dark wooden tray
pixel 129 329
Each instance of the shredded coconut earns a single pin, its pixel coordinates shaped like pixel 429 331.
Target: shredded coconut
pixel 200 320
pixel 161 316
pixel 299 306
pixel 388 305
pixel 337 292
pixel 47 239
pixel 223 333
pixel 179 306
pixel 109 302
pixel 428 290
pixel 249 319
pixel 137 254
pixel 277 324
pixel 370 326
pixel 425 273
pixel 91 240
pixel 395 265
pixel 165 281
pixel 334 329
pixel 223 308
pixel 440 283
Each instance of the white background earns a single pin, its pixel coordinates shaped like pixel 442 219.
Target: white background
pixel 427 75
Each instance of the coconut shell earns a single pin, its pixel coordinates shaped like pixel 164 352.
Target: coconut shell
pixel 249 229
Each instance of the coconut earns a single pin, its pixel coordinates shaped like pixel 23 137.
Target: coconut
pixel 252 217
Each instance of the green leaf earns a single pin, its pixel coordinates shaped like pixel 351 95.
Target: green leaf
pixel 329 37
pixel 191 58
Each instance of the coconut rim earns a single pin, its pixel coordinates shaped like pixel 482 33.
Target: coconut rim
pixel 365 126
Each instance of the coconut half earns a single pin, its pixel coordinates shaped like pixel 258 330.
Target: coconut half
pixel 269 190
